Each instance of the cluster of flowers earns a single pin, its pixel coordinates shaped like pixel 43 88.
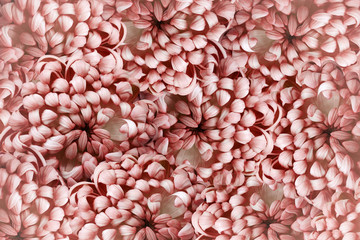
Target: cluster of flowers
pixel 180 119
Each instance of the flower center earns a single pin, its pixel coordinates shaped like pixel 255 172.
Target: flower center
pixel 197 130
pixel 158 24
pixel 329 130
pixel 268 221
pixel 289 37
pixel 148 224
pixel 88 130
pixel 17 237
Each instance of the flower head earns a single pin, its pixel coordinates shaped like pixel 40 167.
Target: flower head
pixel 337 219
pixel 170 39
pixel 32 198
pixel 134 193
pixel 67 106
pixel 315 145
pixel 245 213
pixel 30 31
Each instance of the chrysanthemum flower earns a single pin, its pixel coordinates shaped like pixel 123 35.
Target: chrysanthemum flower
pixel 315 143
pixel 335 105
pixel 135 195
pixel 337 220
pixel 173 119
pixel 283 38
pixel 32 29
pixel 225 126
pixel 245 214
pixel 169 39
pixel 32 199
pixel 69 106
pixel 222 114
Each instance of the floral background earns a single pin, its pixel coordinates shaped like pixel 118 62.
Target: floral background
pixel 180 119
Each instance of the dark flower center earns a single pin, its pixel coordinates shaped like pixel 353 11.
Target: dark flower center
pixel 329 130
pixel 198 129
pixel 87 129
pixel 17 237
pixel 157 23
pixel 147 223
pixel 289 37
pixel 267 222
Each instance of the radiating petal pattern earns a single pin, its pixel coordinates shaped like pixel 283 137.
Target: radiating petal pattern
pixel 180 119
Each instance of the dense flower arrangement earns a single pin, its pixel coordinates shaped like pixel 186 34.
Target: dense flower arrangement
pixel 180 119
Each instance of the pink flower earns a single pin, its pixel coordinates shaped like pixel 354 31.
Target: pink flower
pixel 135 193
pixel 224 117
pixel 335 108
pixel 30 31
pixel 315 150
pixel 68 110
pixel 337 219
pixel 244 213
pixel 173 119
pixel 282 35
pixel 32 200
pixel 170 39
